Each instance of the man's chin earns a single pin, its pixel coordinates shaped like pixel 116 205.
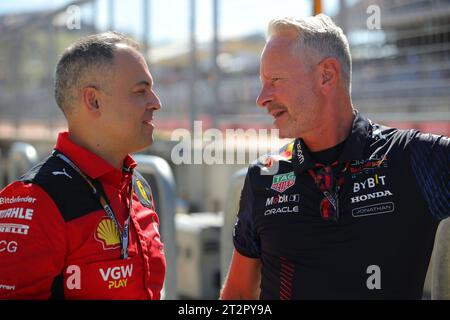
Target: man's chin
pixel 285 134
pixel 144 145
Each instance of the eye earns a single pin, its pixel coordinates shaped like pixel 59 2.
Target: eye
pixel 274 80
pixel 141 92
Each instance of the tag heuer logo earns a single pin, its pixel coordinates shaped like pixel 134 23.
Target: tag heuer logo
pixel 282 182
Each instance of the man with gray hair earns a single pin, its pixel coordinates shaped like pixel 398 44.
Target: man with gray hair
pixel 350 208
pixel 82 224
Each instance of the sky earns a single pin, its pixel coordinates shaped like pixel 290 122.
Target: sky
pixel 169 19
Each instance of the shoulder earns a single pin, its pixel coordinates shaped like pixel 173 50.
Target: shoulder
pixel 143 190
pixel 406 139
pixel 22 192
pixel 270 162
pixel 388 142
pixel 29 188
pixel 64 186
pixel 430 140
pixel 27 207
pixel 397 136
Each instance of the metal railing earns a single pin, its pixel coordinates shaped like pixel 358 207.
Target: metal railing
pixel 21 158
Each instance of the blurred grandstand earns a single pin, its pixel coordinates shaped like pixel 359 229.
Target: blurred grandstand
pixel 401 72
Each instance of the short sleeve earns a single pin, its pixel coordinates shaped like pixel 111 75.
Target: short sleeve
pixel 245 238
pixel 430 162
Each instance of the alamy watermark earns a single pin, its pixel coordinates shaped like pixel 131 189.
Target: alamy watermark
pixel 213 146
pixel 374 20
pixel 73 20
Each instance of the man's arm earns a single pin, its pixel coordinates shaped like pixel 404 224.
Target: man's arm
pixel 32 242
pixel 430 162
pixel 243 279
pixel 244 275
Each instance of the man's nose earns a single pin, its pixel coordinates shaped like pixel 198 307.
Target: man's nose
pixel 154 102
pixel 264 97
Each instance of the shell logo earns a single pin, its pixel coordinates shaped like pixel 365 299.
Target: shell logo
pixel 107 234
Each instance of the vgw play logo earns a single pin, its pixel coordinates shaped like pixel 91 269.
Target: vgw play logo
pixel 117 277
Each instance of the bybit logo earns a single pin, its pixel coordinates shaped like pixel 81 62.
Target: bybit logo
pixel 369 183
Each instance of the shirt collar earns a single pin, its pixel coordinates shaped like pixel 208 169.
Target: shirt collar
pixel 90 163
pixel 353 148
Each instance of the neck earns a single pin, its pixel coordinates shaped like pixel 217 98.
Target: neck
pixel 334 129
pixel 98 146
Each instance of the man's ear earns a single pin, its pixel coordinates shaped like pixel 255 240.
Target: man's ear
pixel 329 73
pixel 90 96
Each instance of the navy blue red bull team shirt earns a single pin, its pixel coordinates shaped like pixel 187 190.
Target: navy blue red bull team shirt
pixel 56 240
pixel 394 191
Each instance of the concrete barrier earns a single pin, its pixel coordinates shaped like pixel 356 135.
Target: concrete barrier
pixel 230 211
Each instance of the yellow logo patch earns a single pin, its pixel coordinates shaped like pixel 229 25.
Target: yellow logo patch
pixel 142 190
pixel 287 152
pixel 107 234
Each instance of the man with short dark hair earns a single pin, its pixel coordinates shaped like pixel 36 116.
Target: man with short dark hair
pixel 349 209
pixel 83 223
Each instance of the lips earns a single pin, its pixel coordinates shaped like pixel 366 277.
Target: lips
pixel 276 110
pixel 276 113
pixel 148 121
